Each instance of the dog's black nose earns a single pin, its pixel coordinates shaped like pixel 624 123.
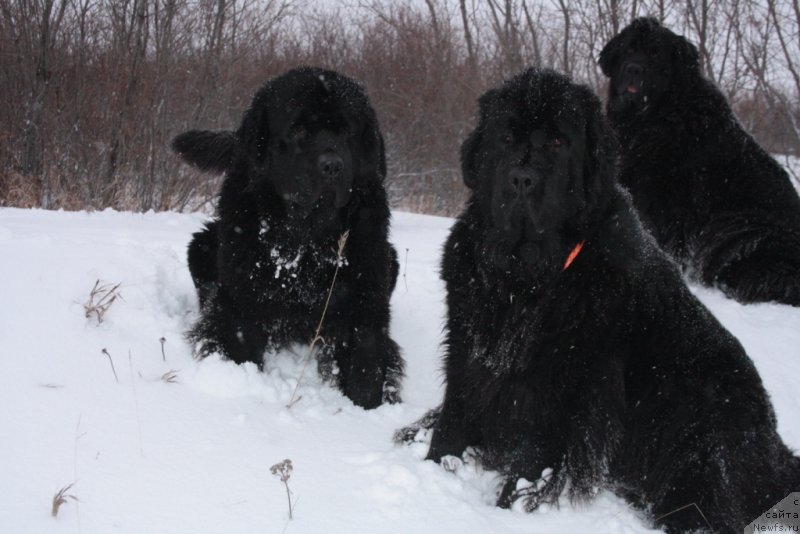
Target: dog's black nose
pixel 330 165
pixel 633 69
pixel 521 180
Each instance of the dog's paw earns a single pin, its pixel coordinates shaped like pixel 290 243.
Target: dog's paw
pixel 526 496
pixel 523 495
pixel 420 430
pixel 406 435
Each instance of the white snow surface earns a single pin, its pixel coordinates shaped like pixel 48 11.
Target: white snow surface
pixel 194 455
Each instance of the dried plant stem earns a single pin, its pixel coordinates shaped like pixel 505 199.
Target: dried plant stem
pixel 284 471
pixel 104 351
pixel 405 270
pixel 317 338
pixel 163 340
pixel 288 498
pixel 690 505
pixel 78 435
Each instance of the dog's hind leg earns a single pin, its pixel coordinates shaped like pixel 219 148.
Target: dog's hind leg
pixel 764 276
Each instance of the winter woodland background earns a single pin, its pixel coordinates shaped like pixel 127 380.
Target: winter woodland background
pixel 91 91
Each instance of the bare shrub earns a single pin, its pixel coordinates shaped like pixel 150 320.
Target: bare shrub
pixel 101 297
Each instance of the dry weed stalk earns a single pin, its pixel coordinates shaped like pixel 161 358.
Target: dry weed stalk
pixel 163 340
pixel 405 270
pixel 78 435
pixel 61 498
pixel 104 351
pixel 100 300
pixel 682 508
pixel 284 471
pixel 317 338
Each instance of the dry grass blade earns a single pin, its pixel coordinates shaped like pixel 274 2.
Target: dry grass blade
pixel 405 270
pixel 170 377
pixel 104 351
pixel 101 297
pixel 61 497
pixel 682 508
pixel 317 338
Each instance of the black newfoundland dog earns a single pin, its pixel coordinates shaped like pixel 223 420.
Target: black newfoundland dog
pixel 576 357
pixel 305 167
pixel 713 198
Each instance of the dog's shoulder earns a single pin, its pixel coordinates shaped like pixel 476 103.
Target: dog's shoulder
pixel 622 242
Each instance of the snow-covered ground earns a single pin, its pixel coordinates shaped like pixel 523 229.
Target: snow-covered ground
pixel 193 453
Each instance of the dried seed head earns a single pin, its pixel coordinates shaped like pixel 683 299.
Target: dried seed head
pixel 282 469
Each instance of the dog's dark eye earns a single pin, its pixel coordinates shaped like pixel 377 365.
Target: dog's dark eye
pixel 557 142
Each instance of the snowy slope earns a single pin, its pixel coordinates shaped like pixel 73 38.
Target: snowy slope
pixel 194 455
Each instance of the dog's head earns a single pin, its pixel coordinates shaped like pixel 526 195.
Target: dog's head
pixel 541 166
pixel 646 63
pixel 310 136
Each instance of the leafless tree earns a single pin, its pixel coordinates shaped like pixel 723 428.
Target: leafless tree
pixel 91 91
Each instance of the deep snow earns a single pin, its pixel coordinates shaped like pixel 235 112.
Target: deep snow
pixel 146 455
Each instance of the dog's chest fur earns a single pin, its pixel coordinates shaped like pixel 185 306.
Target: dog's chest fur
pixel 285 270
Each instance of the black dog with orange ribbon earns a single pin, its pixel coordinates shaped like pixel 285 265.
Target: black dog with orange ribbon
pixel 576 358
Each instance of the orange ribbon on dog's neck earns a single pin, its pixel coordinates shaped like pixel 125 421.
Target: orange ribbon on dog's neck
pixel 573 255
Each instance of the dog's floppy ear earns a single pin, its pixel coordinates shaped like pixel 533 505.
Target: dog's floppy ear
pixel 253 133
pixel 381 156
pixel 206 150
pixel 685 56
pixel 599 162
pixel 471 148
pixel 253 138
pixel 609 56
pixel 469 154
pixel 612 53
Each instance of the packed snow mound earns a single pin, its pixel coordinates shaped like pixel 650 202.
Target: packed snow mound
pixel 159 442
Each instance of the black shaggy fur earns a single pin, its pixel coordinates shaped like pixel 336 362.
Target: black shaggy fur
pixel 607 371
pixel 306 165
pixel 712 197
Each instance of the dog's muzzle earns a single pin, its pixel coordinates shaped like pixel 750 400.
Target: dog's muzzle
pixel 631 79
pixel 335 177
